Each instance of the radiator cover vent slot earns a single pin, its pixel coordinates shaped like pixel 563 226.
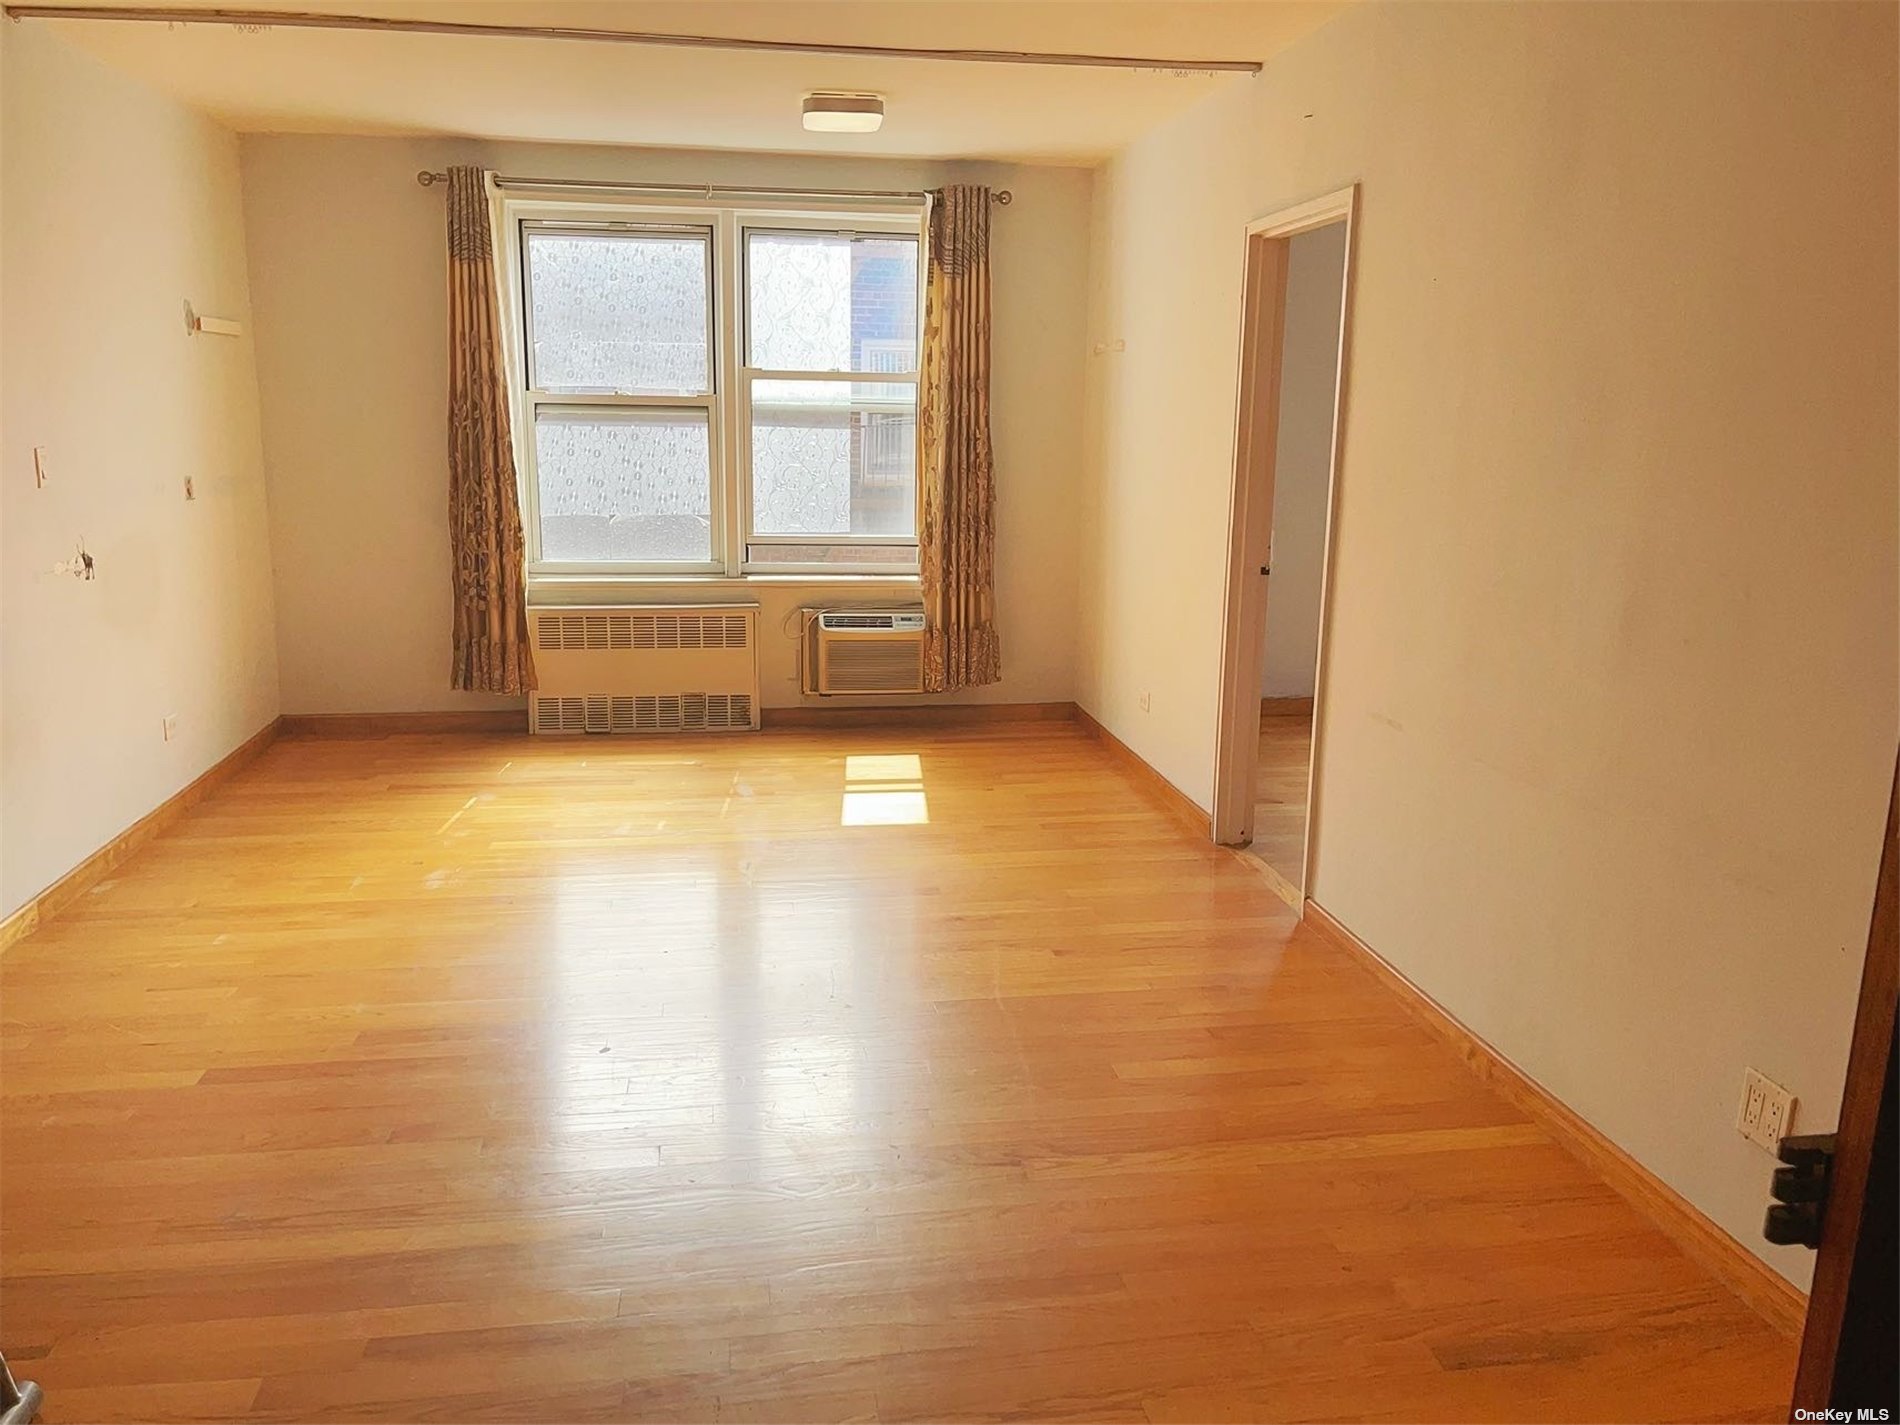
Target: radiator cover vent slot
pixel 653 712
pixel 634 629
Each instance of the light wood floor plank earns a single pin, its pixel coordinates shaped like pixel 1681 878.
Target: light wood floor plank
pixel 1280 794
pixel 875 1074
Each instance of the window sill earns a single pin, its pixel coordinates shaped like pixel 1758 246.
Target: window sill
pixel 556 589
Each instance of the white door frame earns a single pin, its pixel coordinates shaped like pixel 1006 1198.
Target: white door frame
pixel 1250 512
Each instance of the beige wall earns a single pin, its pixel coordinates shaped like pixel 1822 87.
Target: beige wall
pixel 1610 712
pixel 347 265
pixel 1303 459
pixel 120 207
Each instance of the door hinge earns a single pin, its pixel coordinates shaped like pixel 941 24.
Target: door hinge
pixel 1800 1190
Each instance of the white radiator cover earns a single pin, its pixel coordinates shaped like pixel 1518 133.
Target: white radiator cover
pixel 652 668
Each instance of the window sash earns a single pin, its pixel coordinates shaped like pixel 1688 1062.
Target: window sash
pixel 750 375
pixel 616 219
pixel 752 535
pixel 749 230
pixel 539 563
pixel 706 235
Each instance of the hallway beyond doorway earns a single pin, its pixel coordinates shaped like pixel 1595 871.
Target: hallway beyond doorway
pixel 1280 784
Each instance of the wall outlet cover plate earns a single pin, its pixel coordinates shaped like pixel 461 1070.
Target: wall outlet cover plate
pixel 1767 1112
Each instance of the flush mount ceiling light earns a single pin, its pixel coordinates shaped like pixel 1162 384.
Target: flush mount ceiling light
pixel 844 113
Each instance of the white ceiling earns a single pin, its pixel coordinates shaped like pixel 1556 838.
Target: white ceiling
pixel 290 80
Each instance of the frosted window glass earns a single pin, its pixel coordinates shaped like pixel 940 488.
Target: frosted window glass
pixel 624 485
pixel 618 313
pixel 823 302
pixel 834 457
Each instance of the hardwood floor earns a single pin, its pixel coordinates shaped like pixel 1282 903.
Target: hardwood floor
pixel 807 1076
pixel 1280 778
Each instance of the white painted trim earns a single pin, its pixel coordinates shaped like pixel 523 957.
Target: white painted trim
pixel 1249 537
pixel 1304 217
pixel 1330 543
pixel 729 357
pixel 1243 634
pixel 908 224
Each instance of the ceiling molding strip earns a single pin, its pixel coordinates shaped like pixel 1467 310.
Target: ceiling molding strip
pixel 306 20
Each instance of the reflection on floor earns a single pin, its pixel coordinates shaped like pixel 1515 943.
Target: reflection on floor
pixel 802 1076
pixel 1279 816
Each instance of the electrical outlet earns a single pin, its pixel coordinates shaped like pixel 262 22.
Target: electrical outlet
pixel 171 726
pixel 41 474
pixel 1145 702
pixel 1767 1112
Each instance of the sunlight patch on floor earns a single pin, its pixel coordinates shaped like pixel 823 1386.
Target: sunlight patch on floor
pixel 884 789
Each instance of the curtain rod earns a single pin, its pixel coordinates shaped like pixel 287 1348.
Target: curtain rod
pixel 428 179
pixel 308 20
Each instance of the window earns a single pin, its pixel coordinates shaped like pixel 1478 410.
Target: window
pixel 717 391
pixel 620 382
pixel 834 455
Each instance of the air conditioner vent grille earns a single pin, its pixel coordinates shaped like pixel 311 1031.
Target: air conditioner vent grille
pixel 883 665
pixel 872 620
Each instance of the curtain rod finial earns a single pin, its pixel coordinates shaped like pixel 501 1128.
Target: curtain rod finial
pixel 1005 197
pixel 426 178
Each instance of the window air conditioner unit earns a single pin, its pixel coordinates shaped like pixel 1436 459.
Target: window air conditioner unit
pixel 659 668
pixel 857 652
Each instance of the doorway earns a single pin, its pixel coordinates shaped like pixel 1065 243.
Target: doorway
pixel 1295 304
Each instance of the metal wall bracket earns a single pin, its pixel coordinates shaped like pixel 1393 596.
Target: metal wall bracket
pixel 1800 1191
pixel 19 1403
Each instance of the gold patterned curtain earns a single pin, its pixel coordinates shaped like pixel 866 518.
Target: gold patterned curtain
pixel 491 615
pixel 956 495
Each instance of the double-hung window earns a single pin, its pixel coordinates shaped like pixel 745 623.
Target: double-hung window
pixel 716 390
pixel 622 395
pixel 831 398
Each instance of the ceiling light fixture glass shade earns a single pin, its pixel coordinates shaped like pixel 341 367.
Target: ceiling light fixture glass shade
pixel 844 113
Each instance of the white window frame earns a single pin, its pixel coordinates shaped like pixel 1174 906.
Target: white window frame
pixel 535 400
pixel 728 404
pixel 858 225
